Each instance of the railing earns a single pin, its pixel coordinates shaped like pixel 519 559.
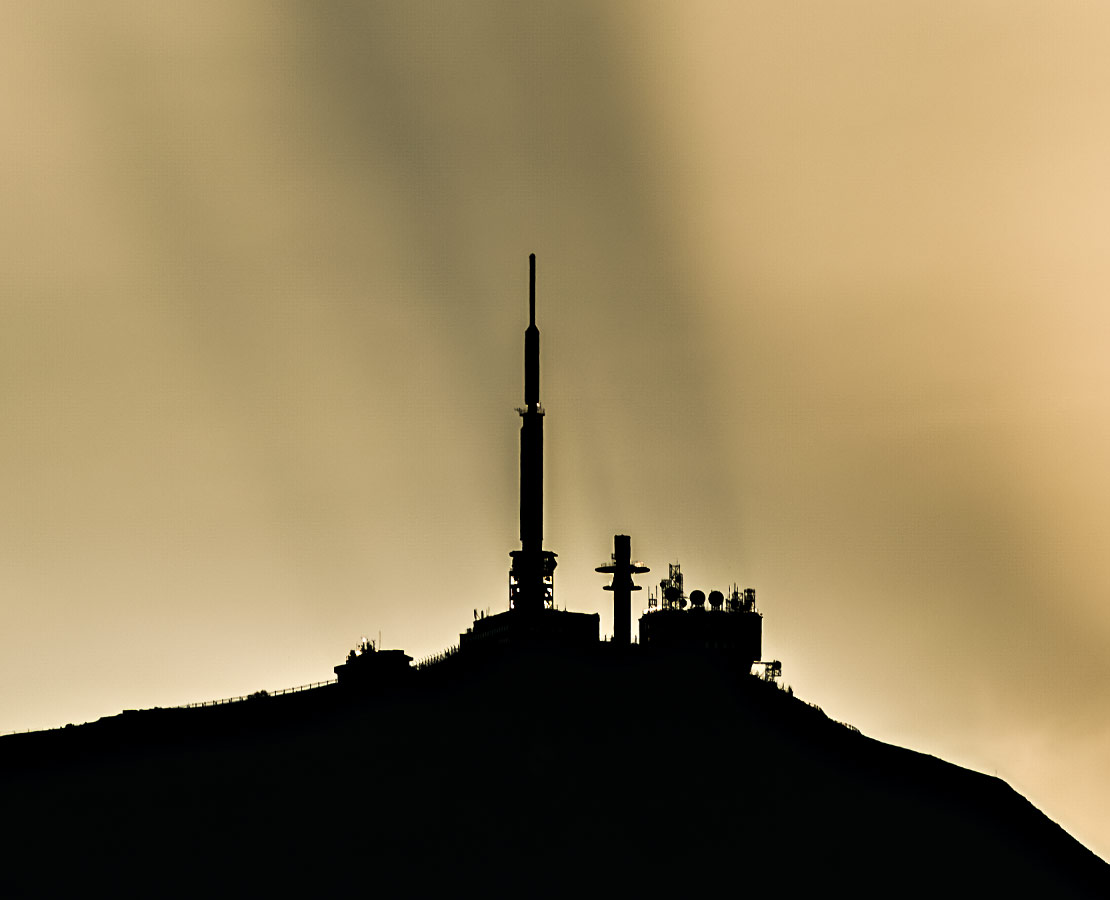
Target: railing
pixel 225 700
pixel 32 730
pixel 258 695
pixel 437 658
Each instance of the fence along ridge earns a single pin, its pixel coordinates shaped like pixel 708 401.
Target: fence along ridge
pixel 257 694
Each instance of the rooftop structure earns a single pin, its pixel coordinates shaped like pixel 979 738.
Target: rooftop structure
pixel 731 626
pixel 366 665
pixel 732 629
pixel 622 569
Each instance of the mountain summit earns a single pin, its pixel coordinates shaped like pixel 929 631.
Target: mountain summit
pixel 527 772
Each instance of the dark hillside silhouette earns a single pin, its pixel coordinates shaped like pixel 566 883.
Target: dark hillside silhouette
pixel 534 760
pixel 532 772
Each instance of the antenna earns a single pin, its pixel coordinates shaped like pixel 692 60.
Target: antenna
pixel 532 289
pixel 530 584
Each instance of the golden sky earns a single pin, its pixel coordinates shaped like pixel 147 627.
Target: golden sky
pixel 823 302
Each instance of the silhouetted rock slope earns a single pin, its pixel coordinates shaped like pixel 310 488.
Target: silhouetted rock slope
pixel 533 774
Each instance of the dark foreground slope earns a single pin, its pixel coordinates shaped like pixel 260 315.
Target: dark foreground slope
pixel 536 774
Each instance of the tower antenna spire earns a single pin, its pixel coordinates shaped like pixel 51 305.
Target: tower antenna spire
pixel 530 579
pixel 532 290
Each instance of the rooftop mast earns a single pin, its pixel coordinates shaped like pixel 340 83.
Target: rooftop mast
pixel 531 576
pixel 622 569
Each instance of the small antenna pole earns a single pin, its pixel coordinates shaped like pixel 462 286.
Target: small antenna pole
pixel 532 289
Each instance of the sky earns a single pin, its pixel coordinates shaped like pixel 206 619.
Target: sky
pixel 822 291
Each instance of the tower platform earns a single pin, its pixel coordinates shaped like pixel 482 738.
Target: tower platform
pixel 538 627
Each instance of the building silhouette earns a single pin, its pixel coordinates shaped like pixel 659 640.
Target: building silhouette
pixel 532 617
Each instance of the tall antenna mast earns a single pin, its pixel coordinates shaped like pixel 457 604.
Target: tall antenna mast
pixel 530 578
pixel 531 290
